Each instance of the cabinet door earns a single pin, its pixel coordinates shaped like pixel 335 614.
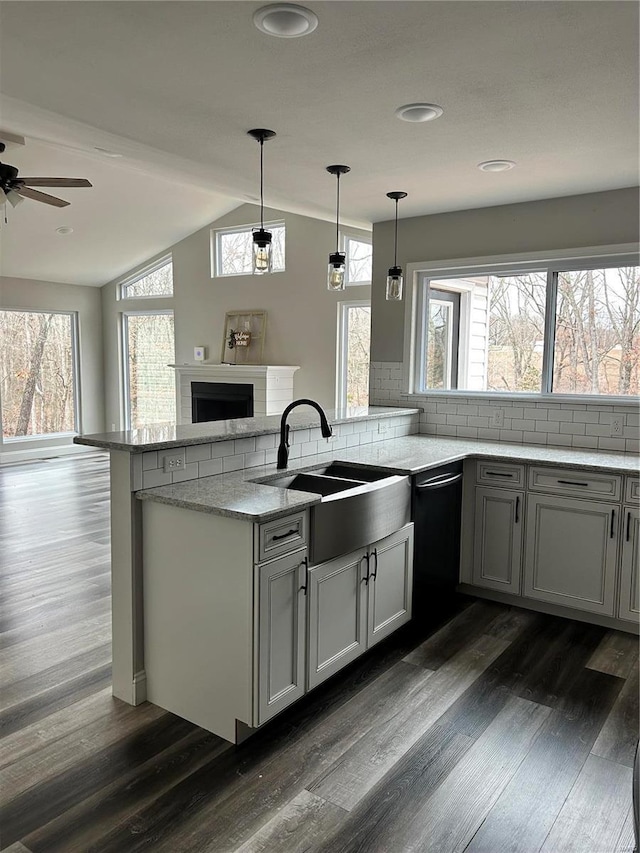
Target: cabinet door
pixel 281 633
pixel 629 607
pixel 390 584
pixel 337 614
pixel 571 551
pixel 497 548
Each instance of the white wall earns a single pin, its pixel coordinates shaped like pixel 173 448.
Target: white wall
pixel 29 295
pixel 301 312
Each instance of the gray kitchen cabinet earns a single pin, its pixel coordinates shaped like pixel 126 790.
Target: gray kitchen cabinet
pixel 356 600
pixel 390 584
pixel 497 550
pixel 629 605
pixel 571 552
pixel 337 614
pixel 281 633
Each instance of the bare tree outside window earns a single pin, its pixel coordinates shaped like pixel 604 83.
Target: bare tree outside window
pixel 150 349
pixel 37 373
pixel 158 282
pixel 235 250
pixel 358 354
pixel 359 261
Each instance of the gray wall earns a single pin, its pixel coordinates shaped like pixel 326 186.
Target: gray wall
pixel 25 294
pixel 301 312
pixel 595 219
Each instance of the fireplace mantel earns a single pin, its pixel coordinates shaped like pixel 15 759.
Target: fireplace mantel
pixel 272 384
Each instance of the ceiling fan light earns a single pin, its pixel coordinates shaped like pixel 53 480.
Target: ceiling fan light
pixel 14 198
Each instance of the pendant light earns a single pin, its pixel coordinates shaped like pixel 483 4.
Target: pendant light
pixel 335 275
pixel 394 276
pixel 262 255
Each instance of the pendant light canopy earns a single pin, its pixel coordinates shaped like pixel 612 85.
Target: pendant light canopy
pixel 394 276
pixel 335 276
pixel 262 255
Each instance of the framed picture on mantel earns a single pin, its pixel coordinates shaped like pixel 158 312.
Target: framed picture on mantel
pixel 243 341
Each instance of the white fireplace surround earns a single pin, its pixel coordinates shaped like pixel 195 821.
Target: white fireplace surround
pixel 272 385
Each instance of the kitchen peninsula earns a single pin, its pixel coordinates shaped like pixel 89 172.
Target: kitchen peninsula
pixel 224 461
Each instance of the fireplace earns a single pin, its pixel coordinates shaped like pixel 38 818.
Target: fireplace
pixel 220 401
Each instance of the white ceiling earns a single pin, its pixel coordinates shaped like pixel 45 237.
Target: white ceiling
pixel 174 86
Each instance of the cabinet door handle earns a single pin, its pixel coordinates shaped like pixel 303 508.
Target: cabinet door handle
pixel 286 535
pixel 375 572
pixel 573 483
pixel 497 474
pixel 366 577
pixel 628 533
pixel 518 509
pixel 613 518
pixel 304 586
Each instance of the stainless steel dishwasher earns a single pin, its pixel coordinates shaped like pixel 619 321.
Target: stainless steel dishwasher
pixel 437 507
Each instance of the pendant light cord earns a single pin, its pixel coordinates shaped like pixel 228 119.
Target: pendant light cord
pixel 338 214
pixel 262 185
pixel 395 244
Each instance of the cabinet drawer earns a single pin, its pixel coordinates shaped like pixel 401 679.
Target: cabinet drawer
pixel 281 536
pixel 565 481
pixel 632 490
pixel 500 474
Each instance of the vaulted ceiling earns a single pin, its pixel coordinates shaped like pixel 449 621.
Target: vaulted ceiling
pixel 174 86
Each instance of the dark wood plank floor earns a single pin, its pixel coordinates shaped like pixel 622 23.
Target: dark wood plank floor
pixel 495 730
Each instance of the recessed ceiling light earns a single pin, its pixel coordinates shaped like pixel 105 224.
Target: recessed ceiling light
pixel 106 153
pixel 496 165
pixel 419 112
pixel 285 20
pixel 64 230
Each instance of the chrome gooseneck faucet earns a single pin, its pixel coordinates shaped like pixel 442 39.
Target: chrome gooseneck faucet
pixel 283 449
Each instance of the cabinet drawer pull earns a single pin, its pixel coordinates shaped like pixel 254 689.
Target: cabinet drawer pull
pixel 293 532
pixel 498 474
pixel 518 509
pixel 573 483
pixel 628 533
pixel 613 517
pixel 304 586
pixel 374 573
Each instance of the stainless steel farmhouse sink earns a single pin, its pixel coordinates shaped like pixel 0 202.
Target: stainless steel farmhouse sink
pixel 358 506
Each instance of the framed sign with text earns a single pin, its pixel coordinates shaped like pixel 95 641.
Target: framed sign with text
pixel 243 341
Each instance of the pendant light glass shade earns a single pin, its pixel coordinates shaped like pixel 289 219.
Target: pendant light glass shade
pixel 262 245
pixel 336 270
pixel 395 280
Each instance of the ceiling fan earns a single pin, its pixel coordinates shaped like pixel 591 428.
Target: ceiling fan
pixel 15 189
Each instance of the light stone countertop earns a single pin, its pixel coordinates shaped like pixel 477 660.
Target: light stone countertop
pixel 163 436
pixel 237 495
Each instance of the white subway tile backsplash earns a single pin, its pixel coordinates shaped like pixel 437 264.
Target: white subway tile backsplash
pixel 222 448
pixel 612 444
pixel 209 467
pixel 353 440
pixel 150 460
pixel 586 442
pixel 233 463
pixel 190 473
pixel 198 453
pixel 253 459
pixel 244 445
pixel 155 477
pixel 586 417
pixel 573 429
pixel 266 442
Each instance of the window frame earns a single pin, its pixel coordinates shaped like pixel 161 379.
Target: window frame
pixel 124 349
pixel 419 274
pixel 75 368
pixel 216 255
pixel 342 342
pixel 346 238
pixel 133 278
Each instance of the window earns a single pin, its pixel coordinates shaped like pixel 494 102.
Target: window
pixel 233 249
pixel 156 280
pixel 150 392
pixel 359 258
pixel 535 328
pixel 354 344
pixel 39 392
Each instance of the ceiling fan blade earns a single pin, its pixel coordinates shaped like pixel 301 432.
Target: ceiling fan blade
pixel 44 197
pixel 55 182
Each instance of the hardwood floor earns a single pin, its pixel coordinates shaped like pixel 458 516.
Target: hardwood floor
pixel 504 730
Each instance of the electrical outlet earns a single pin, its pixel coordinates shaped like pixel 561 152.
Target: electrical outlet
pixel 497 418
pixel 173 462
pixel 617 425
